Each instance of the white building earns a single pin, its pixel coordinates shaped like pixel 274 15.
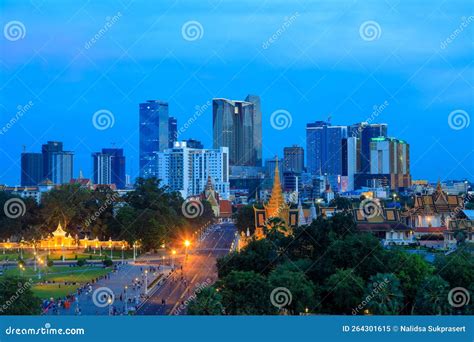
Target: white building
pixel 187 169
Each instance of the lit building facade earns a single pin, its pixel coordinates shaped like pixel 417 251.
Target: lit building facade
pixel 188 170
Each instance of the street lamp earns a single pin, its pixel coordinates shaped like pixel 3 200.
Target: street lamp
pixel 134 251
pixel 109 300
pixel 186 244
pixel 146 282
pixel 126 300
pixel 34 258
pixel 173 253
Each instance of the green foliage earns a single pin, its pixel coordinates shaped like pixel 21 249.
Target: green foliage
pixel 457 269
pixel 302 290
pixel 342 292
pixel 207 302
pixel 386 295
pixel 245 293
pixel 258 256
pixel 411 270
pixel 50 263
pixel 244 218
pixel 81 262
pixel 432 297
pixel 107 262
pixel 17 298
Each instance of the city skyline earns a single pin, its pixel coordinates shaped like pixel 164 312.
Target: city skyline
pixel 422 85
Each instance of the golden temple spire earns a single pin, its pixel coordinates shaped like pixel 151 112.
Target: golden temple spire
pixel 277 202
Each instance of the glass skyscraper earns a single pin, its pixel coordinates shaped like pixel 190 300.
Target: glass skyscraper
pixel 57 164
pixel 31 169
pixel 234 127
pixel 324 148
pixel 109 167
pixel 365 132
pixel 172 131
pixel 257 124
pixel 154 137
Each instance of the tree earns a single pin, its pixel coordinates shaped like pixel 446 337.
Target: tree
pixel 342 292
pixel 361 252
pixel 303 291
pixel 385 293
pixel 457 269
pixel 341 203
pixel 244 218
pixel 245 293
pixel 17 298
pixel 432 297
pixel 259 256
pixel 411 270
pixel 208 302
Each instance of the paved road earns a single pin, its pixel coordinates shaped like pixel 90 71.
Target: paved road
pixel 199 271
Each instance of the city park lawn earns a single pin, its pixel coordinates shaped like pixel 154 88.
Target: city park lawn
pixel 60 275
pixel 14 255
pixel 74 255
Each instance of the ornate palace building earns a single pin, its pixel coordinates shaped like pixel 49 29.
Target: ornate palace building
pixel 431 213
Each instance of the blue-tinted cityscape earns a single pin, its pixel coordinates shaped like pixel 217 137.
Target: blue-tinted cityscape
pixel 237 158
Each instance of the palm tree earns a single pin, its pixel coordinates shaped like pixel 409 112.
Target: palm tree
pixel 384 294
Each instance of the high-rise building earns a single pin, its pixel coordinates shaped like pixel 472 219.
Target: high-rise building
pixel 324 148
pixel 154 135
pixel 257 124
pixel 365 132
pixel 109 167
pixel 293 159
pixel 234 127
pixel 187 170
pixel 47 150
pixel 350 160
pixel 102 168
pixel 192 143
pixel 31 169
pixel 389 164
pixel 172 131
pixel 57 163
pixel 62 167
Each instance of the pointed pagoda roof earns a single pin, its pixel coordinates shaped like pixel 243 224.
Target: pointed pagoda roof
pixel 59 231
pixel 277 202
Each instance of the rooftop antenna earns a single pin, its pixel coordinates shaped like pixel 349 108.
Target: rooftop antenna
pixel 329 118
pixel 24 148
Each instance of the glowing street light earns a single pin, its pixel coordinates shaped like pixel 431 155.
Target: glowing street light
pixel 173 253
pixel 186 244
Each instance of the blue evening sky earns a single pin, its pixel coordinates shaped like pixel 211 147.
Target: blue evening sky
pixel 319 64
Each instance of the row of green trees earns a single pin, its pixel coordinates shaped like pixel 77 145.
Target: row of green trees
pixel 331 268
pixel 150 213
